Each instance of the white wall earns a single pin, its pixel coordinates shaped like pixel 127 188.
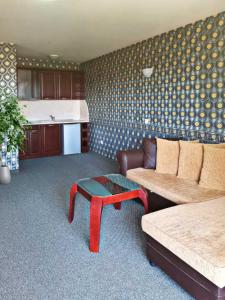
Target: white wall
pixel 61 109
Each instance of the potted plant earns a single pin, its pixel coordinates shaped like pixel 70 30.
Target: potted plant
pixel 12 133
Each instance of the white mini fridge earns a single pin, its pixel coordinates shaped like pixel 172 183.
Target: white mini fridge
pixel 71 139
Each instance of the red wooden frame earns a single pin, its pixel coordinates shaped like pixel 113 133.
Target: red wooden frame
pixel 97 203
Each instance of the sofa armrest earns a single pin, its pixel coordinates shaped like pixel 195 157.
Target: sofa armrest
pixel 130 159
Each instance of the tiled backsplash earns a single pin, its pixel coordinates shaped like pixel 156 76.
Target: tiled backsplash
pixel 60 109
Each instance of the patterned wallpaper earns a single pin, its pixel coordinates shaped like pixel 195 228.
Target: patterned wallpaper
pixel 46 63
pixel 8 68
pixel 185 96
pixel 8 85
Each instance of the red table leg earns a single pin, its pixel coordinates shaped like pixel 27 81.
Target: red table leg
pixel 73 192
pixel 117 205
pixel 143 196
pixel 95 223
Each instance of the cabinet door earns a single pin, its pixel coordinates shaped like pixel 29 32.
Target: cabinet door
pixel 48 85
pixel 65 85
pixel 24 84
pixel 32 144
pixel 36 86
pixel 34 141
pixel 51 139
pixel 78 85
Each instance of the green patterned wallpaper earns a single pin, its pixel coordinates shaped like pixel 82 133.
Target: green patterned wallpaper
pixel 184 97
pixel 8 85
pixel 8 68
pixel 58 64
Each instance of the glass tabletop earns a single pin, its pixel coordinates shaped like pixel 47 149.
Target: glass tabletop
pixel 107 185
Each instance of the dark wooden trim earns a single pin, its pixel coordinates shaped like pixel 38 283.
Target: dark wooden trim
pixel 84 127
pixel 191 280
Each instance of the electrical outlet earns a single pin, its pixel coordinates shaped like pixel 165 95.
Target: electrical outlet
pixel 147 121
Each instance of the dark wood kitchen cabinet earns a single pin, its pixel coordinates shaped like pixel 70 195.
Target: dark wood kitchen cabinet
pixel 51 138
pixel 84 137
pixel 78 85
pixel 42 140
pixel 33 143
pixel 28 84
pixel 24 84
pixel 50 84
pixel 65 85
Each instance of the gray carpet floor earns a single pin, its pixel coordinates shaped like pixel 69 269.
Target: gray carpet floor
pixel 43 257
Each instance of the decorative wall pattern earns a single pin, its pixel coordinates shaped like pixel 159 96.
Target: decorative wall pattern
pixel 9 158
pixel 46 63
pixel 184 97
pixel 8 68
pixel 8 85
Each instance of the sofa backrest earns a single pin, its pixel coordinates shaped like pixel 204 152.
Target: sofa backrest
pixel 150 151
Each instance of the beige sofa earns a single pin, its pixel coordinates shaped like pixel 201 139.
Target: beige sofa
pixel 187 241
pixel 195 233
pixel 179 191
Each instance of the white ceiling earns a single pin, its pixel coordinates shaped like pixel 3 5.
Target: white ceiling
pixel 83 29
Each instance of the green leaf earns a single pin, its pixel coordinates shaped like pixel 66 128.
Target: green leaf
pixel 12 122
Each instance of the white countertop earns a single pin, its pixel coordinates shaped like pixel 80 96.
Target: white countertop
pixel 57 121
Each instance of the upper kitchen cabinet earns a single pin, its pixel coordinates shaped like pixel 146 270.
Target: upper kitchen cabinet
pixel 48 85
pixel 24 84
pixel 28 84
pixel 65 85
pixel 78 85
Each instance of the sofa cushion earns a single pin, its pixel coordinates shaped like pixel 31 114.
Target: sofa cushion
pixel 167 156
pixel 190 160
pixel 150 151
pixel 172 188
pixel 194 233
pixel 222 145
pixel 213 169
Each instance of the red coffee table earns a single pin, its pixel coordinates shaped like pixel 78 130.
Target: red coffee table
pixel 101 191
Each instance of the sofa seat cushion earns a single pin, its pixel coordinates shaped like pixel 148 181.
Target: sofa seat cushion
pixel 194 233
pixel 175 189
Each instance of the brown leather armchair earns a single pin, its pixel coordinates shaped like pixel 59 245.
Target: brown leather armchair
pixel 130 159
pixel 140 158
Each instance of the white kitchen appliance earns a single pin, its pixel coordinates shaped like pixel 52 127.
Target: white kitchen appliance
pixel 71 139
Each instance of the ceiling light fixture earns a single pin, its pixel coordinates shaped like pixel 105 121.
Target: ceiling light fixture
pixel 54 56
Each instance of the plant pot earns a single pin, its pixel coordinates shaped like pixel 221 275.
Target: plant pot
pixel 5 176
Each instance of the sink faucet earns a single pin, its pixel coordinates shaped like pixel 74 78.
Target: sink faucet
pixel 52 117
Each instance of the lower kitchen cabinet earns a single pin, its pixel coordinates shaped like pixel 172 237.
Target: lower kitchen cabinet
pixel 42 140
pixel 51 138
